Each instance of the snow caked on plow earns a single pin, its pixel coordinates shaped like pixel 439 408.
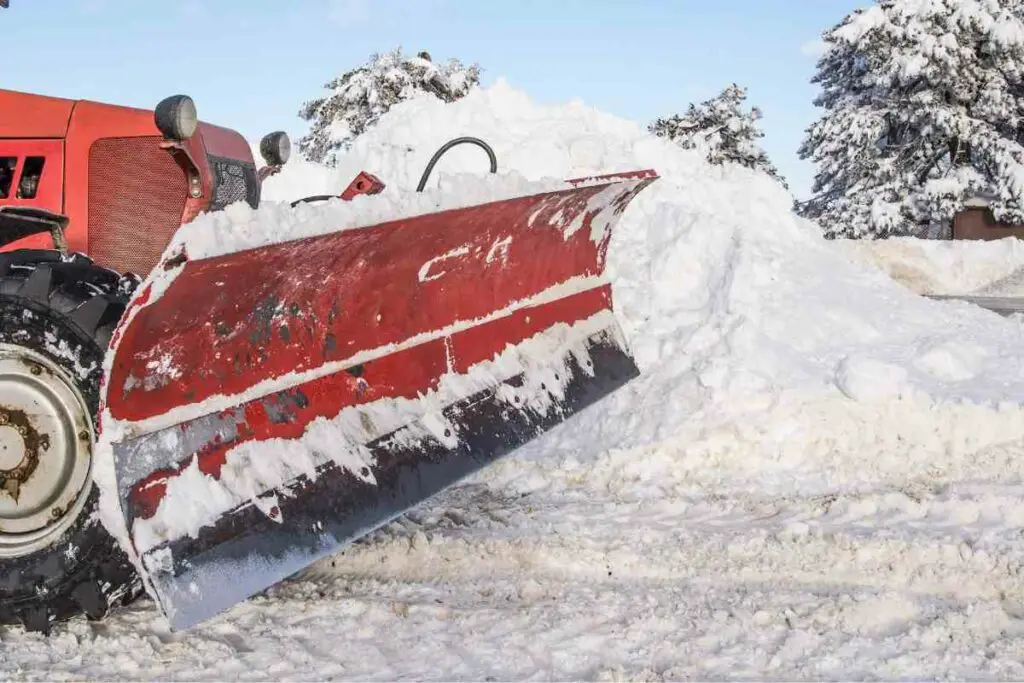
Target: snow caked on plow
pixel 274 395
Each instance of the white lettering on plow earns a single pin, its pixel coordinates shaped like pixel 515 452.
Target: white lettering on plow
pixel 499 249
pixel 424 273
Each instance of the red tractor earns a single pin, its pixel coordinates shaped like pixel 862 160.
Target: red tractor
pixel 429 344
pixel 90 195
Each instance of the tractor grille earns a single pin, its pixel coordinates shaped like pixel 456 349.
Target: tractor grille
pixel 233 181
pixel 137 195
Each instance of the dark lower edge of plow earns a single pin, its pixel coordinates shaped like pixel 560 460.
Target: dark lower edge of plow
pixel 246 551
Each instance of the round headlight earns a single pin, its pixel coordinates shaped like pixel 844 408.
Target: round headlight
pixel 276 148
pixel 176 117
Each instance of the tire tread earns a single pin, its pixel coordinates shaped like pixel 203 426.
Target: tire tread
pixel 81 296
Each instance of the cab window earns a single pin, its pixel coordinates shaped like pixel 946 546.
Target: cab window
pixel 28 186
pixel 7 167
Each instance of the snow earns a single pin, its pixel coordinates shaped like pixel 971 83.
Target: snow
pixel 239 226
pixel 945 267
pixel 818 474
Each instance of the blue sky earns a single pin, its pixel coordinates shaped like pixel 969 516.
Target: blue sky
pixel 250 64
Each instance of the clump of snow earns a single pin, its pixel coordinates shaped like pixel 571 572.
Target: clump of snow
pixel 239 226
pixel 869 379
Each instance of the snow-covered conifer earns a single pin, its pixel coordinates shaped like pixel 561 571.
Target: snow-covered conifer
pixel 358 98
pixel 923 103
pixel 721 130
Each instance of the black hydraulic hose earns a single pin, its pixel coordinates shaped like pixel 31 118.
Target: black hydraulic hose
pixel 447 146
pixel 314 198
pixel 426 173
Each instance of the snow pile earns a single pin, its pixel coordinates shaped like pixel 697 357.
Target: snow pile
pixel 238 227
pixel 772 362
pixel 945 266
pixel 770 358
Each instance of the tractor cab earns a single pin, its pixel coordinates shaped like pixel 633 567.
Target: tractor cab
pixel 117 182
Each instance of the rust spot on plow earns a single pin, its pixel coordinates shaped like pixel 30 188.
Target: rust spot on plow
pixel 282 407
pixel 263 318
pixel 330 343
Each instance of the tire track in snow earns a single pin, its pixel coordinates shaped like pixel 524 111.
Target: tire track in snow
pixel 919 580
pixel 964 544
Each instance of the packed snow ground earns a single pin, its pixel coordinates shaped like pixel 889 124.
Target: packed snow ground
pixel 980 268
pixel 820 473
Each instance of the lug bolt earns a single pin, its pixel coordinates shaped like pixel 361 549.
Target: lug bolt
pixel 3 418
pixel 83 435
pixel 36 370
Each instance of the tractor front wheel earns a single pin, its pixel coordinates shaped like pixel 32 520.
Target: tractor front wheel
pixel 56 559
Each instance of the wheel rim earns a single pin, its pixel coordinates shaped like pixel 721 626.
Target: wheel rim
pixel 46 445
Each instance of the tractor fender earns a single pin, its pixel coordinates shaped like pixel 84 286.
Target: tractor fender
pixel 19 222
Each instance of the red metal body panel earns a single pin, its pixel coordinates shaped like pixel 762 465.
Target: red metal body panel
pixel 299 305
pixel 223 142
pixel 77 126
pixel 25 115
pixel 92 122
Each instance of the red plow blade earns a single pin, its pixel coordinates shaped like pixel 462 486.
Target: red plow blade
pixel 269 406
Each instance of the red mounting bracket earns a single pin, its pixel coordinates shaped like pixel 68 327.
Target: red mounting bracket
pixel 364 183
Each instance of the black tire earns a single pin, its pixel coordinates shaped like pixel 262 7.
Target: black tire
pixel 82 571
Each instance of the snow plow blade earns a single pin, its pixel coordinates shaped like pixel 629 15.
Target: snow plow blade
pixel 266 407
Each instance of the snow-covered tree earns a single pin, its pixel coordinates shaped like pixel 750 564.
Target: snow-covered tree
pixel 721 129
pixel 924 110
pixel 358 98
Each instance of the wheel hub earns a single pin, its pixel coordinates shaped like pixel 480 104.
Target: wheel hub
pixel 46 441
pixel 19 449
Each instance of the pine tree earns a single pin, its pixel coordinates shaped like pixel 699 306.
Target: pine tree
pixel 923 105
pixel 722 130
pixel 358 98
